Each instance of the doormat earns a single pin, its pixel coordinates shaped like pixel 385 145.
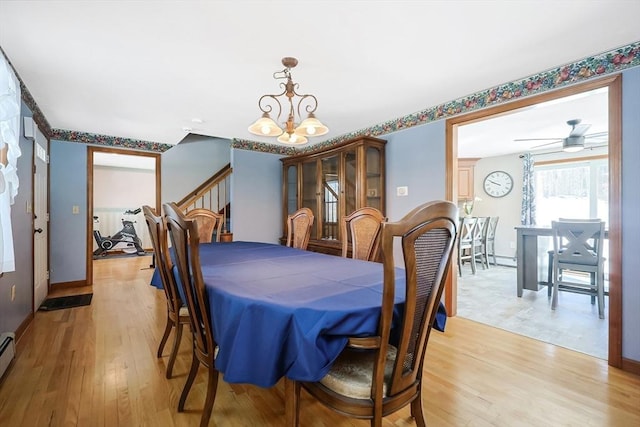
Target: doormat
pixel 66 302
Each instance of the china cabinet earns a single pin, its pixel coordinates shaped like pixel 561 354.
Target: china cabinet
pixel 333 183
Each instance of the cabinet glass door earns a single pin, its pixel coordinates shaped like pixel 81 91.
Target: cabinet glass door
pixel 350 179
pixel 374 178
pixel 309 192
pixel 292 189
pixel 330 194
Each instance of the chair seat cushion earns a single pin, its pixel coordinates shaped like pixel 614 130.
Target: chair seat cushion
pixel 352 372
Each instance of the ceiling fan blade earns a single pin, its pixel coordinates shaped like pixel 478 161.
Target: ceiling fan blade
pixel 539 139
pixel 579 129
pixel 549 143
pixel 597 135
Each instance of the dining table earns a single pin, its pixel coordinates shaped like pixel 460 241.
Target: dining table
pixel 280 312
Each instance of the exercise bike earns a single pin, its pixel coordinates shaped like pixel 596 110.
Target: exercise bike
pixel 125 240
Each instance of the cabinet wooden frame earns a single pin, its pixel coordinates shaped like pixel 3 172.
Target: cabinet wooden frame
pixel 367 188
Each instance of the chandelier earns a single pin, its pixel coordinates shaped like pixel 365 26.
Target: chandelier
pixel 290 131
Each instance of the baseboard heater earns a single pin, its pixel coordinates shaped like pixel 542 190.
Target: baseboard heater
pixel 7 351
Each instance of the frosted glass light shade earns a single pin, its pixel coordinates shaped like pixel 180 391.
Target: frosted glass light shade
pixel 265 126
pixel 573 144
pixel 311 127
pixel 292 139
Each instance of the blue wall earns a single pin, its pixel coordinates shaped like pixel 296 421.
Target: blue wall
pixel 188 164
pixel 256 198
pixel 630 213
pixel 416 159
pixel 13 313
pixel 67 232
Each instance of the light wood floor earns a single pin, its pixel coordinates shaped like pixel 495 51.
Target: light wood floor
pixel 97 366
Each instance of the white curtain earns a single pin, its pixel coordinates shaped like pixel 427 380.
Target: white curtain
pixel 9 139
pixel 528 211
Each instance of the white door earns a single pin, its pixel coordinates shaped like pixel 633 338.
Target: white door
pixel 41 221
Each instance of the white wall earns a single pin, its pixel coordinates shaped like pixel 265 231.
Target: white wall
pixel 116 190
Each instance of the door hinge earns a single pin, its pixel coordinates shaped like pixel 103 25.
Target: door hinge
pixel 47 217
pixel 47 274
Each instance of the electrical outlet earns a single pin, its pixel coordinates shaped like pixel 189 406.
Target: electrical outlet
pixel 13 292
pixel 402 191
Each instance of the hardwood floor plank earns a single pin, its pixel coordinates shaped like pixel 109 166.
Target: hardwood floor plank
pixel 97 366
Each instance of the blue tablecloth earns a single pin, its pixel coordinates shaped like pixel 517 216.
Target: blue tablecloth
pixel 278 311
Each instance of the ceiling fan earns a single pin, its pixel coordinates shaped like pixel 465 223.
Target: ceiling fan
pixel 576 139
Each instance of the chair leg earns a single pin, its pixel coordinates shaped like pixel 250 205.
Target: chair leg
pixel 600 284
pixel 473 260
pixel 417 411
pixel 460 263
pixel 174 350
pixel 550 275
pixel 195 363
pixel 554 299
pixel 212 387
pixel 165 336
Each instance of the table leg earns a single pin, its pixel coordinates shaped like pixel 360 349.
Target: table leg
pixel 520 261
pixel 291 402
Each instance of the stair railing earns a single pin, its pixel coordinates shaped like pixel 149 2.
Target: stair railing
pixel 213 194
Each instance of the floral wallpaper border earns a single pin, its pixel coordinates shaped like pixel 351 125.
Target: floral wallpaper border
pixel 609 62
pixel 591 67
pixel 107 140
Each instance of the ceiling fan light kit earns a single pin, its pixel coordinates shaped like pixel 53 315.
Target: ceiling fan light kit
pixel 573 144
pixel 293 131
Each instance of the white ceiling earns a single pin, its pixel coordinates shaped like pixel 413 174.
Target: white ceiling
pixel 499 136
pixel 146 69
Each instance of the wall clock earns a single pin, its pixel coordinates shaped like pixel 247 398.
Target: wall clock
pixel 498 184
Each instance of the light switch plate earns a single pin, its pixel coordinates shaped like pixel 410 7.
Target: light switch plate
pixel 75 209
pixel 402 191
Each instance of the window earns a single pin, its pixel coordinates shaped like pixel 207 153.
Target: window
pixel 573 189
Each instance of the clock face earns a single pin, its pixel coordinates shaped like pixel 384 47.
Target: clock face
pixel 498 184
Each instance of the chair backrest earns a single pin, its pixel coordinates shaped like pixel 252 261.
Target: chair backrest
pixel 184 242
pixel 208 221
pixel 158 234
pixel 491 228
pixel 578 241
pixel 427 235
pixel 480 230
pixel 363 228
pixel 299 226
pixel 467 226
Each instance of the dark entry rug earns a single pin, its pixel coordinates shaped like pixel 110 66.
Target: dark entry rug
pixel 66 302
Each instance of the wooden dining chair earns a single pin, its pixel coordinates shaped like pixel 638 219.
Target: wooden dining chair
pixel 184 240
pixel 208 222
pixel 489 239
pixel 465 243
pixel 578 247
pixel 479 237
pixel 375 376
pixel 177 313
pixel 362 228
pixel 299 226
